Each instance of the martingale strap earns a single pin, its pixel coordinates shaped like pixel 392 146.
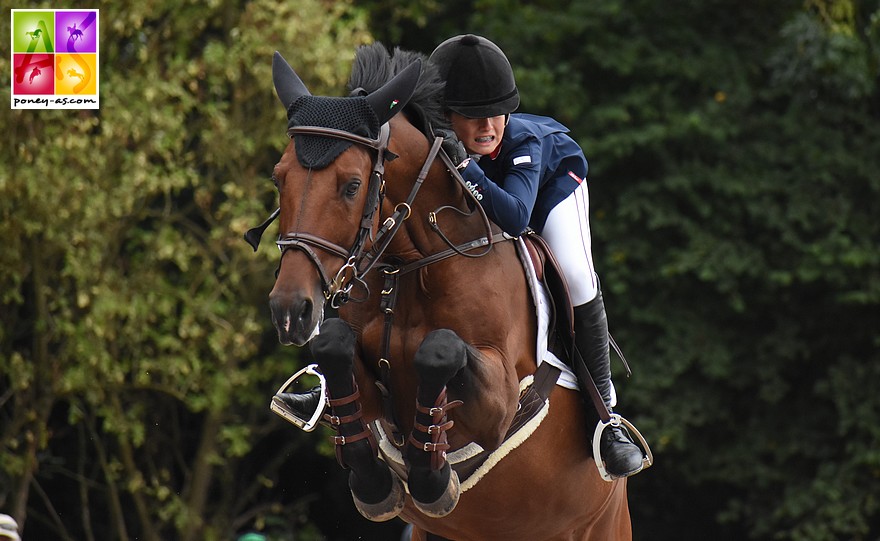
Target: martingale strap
pixel 401 213
pixel 387 303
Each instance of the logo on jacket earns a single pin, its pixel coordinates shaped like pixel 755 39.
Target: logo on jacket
pixel 474 189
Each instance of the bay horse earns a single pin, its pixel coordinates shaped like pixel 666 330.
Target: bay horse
pixel 436 329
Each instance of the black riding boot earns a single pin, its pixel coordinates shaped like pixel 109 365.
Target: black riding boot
pixel 622 456
pixel 303 405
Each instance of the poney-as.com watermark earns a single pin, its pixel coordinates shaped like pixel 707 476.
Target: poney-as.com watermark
pixel 54 59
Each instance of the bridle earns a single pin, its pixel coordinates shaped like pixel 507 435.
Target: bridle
pixel 337 290
pixel 358 260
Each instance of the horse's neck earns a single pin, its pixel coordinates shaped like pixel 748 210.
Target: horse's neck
pixel 441 219
pixel 483 299
pixel 416 239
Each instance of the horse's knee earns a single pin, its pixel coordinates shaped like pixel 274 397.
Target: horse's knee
pixel 334 347
pixel 441 355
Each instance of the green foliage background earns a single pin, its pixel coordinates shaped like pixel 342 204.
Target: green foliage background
pixel 735 182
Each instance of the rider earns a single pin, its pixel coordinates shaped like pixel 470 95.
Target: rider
pixel 527 172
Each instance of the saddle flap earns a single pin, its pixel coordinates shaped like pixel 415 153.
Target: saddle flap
pixel 548 271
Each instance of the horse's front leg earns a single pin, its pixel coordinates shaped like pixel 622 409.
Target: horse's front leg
pixel 433 484
pixel 444 362
pixel 377 491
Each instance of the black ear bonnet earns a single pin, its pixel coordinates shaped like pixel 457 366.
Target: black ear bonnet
pixel 353 115
pixel 359 115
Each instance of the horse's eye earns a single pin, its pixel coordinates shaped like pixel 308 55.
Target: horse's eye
pixel 351 189
pixel 275 181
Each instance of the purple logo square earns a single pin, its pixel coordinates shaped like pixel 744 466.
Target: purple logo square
pixel 76 31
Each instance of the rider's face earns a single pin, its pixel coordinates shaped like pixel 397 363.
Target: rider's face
pixel 479 135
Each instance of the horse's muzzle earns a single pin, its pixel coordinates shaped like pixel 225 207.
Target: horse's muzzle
pixel 296 318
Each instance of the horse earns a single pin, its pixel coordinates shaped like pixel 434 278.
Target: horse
pixel 74 32
pixel 436 329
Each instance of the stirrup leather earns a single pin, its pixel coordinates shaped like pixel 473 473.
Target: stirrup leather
pixel 617 420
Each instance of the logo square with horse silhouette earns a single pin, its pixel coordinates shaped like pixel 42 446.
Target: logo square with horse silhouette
pixel 54 59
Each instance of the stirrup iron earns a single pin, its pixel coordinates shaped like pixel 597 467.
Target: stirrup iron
pixel 279 407
pixel 617 420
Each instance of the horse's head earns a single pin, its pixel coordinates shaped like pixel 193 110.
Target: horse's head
pixel 329 180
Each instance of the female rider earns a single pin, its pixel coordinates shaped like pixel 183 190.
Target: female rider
pixel 527 172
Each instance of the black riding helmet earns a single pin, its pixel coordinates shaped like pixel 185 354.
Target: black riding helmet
pixel 479 79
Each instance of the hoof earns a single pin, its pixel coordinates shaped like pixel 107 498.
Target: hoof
pixel 388 508
pixel 445 503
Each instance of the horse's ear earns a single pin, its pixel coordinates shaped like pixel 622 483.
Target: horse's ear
pixel 395 94
pixel 288 85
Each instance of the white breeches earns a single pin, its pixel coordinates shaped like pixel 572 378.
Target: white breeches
pixel 567 231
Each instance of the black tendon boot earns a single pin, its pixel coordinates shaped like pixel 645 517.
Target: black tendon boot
pixel 622 456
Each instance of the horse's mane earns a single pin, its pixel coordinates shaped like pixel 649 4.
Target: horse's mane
pixel 374 66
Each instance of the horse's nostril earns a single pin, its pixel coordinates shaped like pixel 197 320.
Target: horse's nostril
pixel 293 318
pixel 305 314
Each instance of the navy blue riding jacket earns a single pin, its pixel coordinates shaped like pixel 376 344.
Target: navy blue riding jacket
pixel 536 166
